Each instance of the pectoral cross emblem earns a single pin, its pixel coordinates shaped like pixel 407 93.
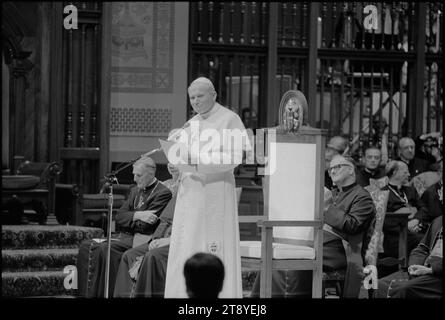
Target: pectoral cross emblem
pixel 141 201
pixel 213 247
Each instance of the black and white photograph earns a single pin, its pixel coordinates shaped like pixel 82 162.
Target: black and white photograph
pixel 220 157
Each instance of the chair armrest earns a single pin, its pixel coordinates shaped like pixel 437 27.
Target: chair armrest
pixel 250 219
pixel 68 199
pixel 397 214
pixel 47 171
pixel 73 189
pixel 289 223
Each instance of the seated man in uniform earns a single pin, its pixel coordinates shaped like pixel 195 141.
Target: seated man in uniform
pixel 424 276
pixel 137 219
pixel 142 270
pixel 349 212
pixel 372 168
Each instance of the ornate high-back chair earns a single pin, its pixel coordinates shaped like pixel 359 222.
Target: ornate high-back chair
pixel 292 235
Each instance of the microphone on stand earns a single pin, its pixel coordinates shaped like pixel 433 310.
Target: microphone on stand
pixel 105 187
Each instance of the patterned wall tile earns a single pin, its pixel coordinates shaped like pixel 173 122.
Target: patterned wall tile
pixel 130 121
pixel 142 47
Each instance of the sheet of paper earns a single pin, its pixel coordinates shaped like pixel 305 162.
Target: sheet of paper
pixel 166 146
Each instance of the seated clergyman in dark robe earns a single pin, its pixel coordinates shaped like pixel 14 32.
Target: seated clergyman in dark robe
pixel 423 279
pixel 142 270
pixel 136 219
pixel 401 198
pixel 372 168
pixel 407 154
pixel 348 213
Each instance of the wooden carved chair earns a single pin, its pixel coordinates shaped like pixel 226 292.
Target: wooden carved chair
pixel 33 185
pixel 291 236
pixel 420 182
pixel 87 209
pixel 380 198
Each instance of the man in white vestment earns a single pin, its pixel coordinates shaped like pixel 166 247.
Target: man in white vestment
pixel 206 212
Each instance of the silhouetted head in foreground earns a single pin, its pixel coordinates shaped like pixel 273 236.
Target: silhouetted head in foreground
pixel 204 276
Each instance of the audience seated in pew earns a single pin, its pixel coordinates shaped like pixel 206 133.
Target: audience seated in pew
pixel 423 279
pixel 136 219
pixel 349 215
pixel 402 198
pixel 142 270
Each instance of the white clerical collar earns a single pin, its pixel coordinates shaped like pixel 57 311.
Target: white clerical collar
pixel 153 182
pixel 149 185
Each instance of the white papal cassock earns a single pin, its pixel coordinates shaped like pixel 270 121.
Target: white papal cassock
pixel 206 212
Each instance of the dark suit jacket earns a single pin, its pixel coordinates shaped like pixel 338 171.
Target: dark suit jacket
pixel 157 200
pixel 351 216
pixel 352 211
pixel 328 181
pixel 417 166
pixel 424 248
pixel 434 207
pixel 363 175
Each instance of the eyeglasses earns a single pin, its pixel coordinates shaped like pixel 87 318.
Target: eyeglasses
pixel 338 166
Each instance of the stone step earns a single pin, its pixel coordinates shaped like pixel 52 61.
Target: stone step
pixel 27 260
pixel 51 284
pixel 45 237
pixel 33 284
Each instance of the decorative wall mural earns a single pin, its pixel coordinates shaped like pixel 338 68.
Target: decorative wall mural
pixel 140 121
pixel 142 47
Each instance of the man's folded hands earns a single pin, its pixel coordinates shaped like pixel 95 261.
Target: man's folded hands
pixel 146 216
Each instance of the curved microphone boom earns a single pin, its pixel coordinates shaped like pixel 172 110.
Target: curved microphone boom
pixel 175 135
pixel 149 153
